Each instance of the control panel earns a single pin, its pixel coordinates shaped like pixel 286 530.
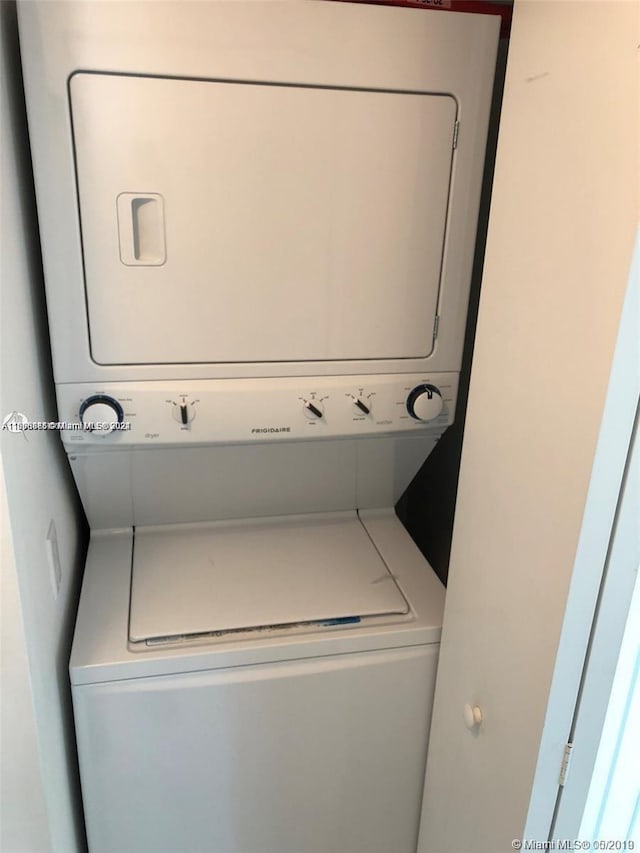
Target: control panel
pixel 231 411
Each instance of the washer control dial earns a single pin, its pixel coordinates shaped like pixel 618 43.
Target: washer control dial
pixel 101 414
pixel 361 405
pixel 425 402
pixel 313 409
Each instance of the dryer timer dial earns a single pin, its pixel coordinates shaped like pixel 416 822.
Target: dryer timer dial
pixel 101 414
pixel 425 402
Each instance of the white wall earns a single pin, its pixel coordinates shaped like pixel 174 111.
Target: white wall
pixel 563 218
pixel 40 802
pixel 24 826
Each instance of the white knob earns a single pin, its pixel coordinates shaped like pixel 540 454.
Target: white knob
pixel 472 717
pixel 361 405
pixel 183 412
pixel 425 403
pixel 313 409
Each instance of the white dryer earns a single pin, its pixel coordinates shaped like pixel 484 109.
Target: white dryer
pixel 258 222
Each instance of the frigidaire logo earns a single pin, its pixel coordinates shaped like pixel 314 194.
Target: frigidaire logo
pixel 271 429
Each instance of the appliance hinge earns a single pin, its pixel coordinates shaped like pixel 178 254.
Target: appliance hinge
pixel 436 323
pixel 564 766
pixel 456 128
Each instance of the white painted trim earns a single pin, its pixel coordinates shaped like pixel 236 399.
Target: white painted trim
pixel 612 809
pixel 604 488
pixel 608 633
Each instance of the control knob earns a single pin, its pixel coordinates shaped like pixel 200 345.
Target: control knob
pixel 425 402
pixel 313 409
pixel 183 412
pixel 101 414
pixel 362 406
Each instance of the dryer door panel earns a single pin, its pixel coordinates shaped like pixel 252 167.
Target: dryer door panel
pixel 239 222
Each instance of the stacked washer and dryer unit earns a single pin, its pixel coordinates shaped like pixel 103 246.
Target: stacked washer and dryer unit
pixel 258 222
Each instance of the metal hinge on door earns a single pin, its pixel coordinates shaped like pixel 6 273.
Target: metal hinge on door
pixel 564 766
pixel 436 323
pixel 456 128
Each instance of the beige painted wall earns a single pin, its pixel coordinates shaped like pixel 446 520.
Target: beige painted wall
pixel 40 804
pixel 563 219
pixel 24 826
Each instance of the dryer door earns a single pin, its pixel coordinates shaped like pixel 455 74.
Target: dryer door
pixel 228 221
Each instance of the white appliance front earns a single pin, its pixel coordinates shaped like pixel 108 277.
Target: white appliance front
pixel 258 225
pixel 305 756
pixel 289 738
pixel 252 189
pixel 240 222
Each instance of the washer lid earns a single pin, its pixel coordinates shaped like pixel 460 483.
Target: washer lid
pixel 192 579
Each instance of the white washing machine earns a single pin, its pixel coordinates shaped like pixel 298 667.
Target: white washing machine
pixel 258 222
pixel 256 686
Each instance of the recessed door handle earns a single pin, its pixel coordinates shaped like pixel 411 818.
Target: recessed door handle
pixel 141 229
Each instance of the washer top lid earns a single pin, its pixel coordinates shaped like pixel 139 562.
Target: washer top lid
pixel 193 579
